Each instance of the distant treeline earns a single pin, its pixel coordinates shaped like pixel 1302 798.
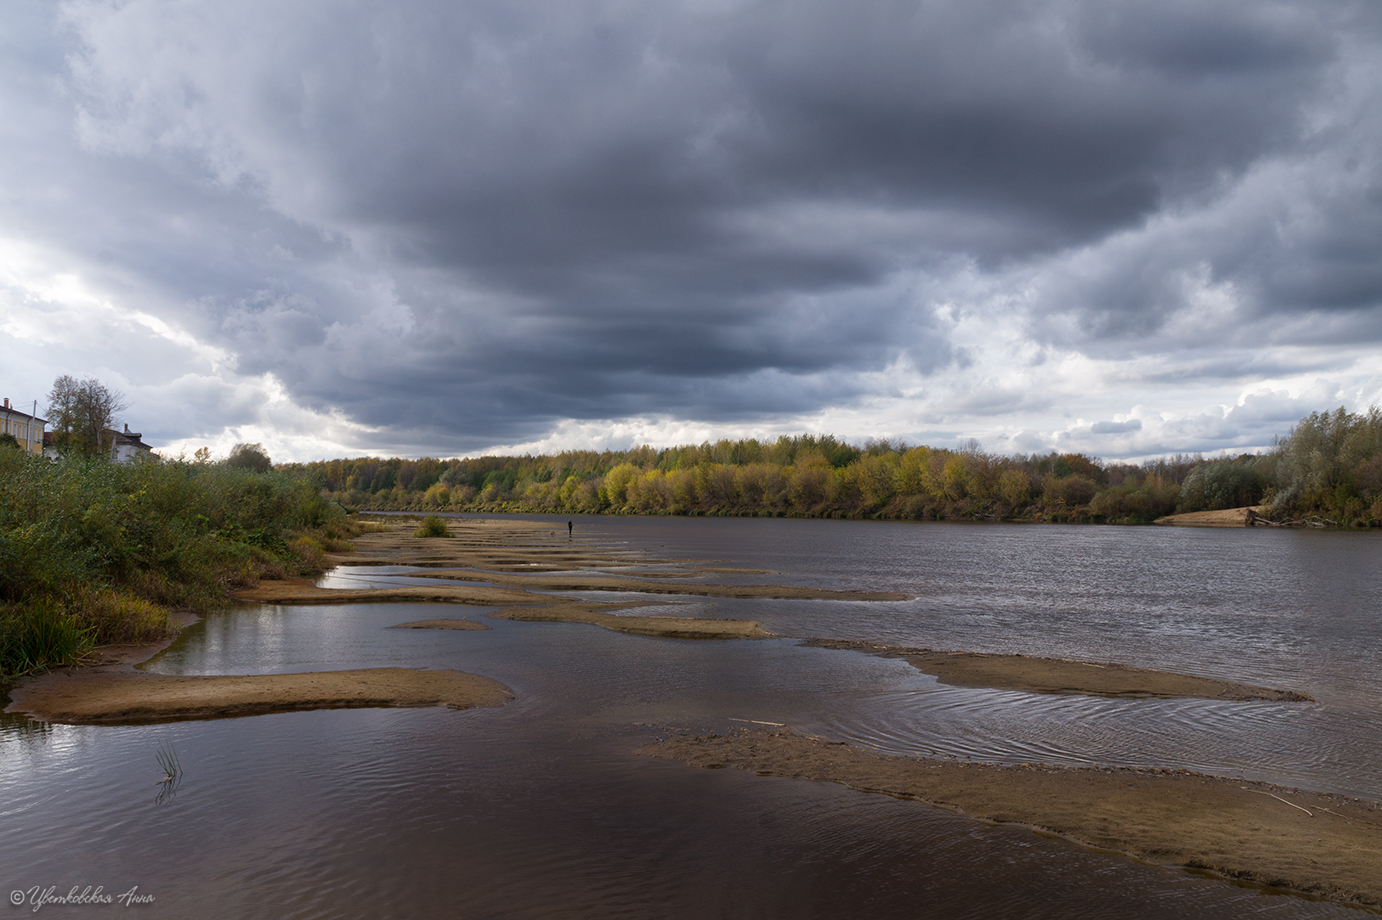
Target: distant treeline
pixel 1327 468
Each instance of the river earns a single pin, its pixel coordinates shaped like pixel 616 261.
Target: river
pixel 542 808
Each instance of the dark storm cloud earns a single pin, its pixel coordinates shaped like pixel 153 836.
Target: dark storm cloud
pixel 465 222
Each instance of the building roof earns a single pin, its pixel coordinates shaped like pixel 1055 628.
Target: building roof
pixel 15 413
pixel 128 438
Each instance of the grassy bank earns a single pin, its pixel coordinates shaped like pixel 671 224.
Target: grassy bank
pixel 93 552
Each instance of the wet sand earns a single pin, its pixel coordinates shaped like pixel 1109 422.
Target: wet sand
pixel 299 592
pixel 660 627
pixel 1062 676
pixel 512 546
pixel 441 624
pixel 111 690
pixel 1325 845
pixel 642 586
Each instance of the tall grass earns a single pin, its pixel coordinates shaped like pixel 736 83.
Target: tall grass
pixel 93 552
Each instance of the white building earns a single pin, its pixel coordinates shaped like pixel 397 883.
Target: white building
pixel 125 445
pixel 119 446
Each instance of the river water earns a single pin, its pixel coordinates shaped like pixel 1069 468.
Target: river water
pixel 542 808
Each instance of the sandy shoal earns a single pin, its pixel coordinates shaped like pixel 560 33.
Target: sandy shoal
pixel 1062 676
pixel 516 546
pixel 441 624
pixel 511 547
pixel 660 627
pixel 298 592
pixel 89 696
pixel 1321 844
pixel 579 582
pixel 109 689
pixel 523 555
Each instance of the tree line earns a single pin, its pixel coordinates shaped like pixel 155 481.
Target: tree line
pixel 1327 468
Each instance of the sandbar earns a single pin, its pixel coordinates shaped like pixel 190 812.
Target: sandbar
pixel 90 696
pixel 536 555
pixel 300 593
pixel 441 624
pixel 1321 844
pixel 1062 676
pixel 580 582
pixel 109 689
pixel 660 627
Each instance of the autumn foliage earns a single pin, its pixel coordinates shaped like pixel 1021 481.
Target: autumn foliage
pixel 822 476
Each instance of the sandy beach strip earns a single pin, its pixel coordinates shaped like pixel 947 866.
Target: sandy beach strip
pixel 1062 676
pixel 659 627
pixel 1325 845
pixel 302 592
pixel 511 604
pixel 613 583
pixel 441 624
pixel 99 696
pixel 1229 517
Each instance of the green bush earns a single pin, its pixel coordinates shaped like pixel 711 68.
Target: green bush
pixel 104 549
pixel 432 526
pixel 1218 484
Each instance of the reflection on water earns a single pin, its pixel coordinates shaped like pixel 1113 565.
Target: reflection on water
pixel 541 808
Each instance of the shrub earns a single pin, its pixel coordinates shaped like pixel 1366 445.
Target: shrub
pixel 432 526
pixel 1217 484
pixel 92 551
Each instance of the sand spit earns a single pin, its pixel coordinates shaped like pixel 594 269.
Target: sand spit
pixel 534 607
pixel 505 590
pixel 1324 845
pixel 501 546
pixel 441 624
pixel 611 583
pixel 123 695
pixel 299 592
pixel 661 627
pixel 1061 676
pixel 1230 517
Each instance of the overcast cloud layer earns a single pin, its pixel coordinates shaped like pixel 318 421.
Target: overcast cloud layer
pixel 438 228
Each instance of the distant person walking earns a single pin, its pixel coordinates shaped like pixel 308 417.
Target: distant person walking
pixel 570 529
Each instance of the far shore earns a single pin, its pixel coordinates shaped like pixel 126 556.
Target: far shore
pixel 1320 844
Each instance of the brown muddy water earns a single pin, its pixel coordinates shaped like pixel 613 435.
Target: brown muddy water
pixel 542 808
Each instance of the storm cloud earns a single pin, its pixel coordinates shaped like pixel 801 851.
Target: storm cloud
pixel 440 228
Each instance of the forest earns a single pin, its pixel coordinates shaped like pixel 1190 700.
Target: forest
pixel 1326 470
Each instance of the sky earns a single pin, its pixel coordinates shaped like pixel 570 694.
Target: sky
pixel 413 228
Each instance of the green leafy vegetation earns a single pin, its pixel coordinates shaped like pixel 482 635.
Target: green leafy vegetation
pixel 1328 468
pixel 1331 465
pixel 432 526
pixel 79 414
pixel 93 552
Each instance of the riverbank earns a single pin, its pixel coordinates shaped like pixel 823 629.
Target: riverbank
pixel 1228 517
pixel 1325 845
